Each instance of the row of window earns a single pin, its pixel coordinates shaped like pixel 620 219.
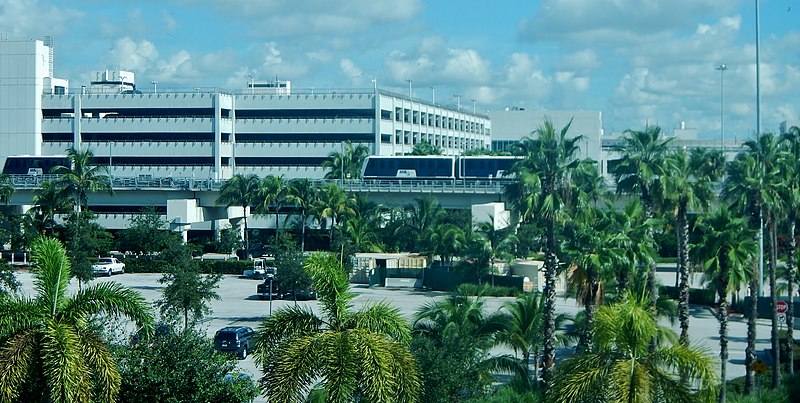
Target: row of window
pixel 209 137
pixel 106 113
pixel 413 138
pixel 433 120
pixel 209 161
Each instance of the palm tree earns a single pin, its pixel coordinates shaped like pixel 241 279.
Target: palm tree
pixel 333 204
pixel 461 316
pixel 753 186
pixel 362 233
pixel 639 172
pixel 50 350
pixel 420 219
pixel 592 248
pixel 524 324
pixel 791 196
pixel 726 248
pixel 636 241
pixel 501 242
pixel 82 177
pixel 303 194
pixel 624 368
pixel 272 195
pixel 346 163
pixel 6 188
pixel 543 178
pixel 47 203
pixel 687 184
pixel 240 191
pixel 445 241
pixel 350 353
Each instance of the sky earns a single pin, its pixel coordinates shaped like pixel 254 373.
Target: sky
pixel 639 62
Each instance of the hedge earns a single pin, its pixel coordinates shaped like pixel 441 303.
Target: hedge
pixel 697 296
pixel 205 266
pixel 488 290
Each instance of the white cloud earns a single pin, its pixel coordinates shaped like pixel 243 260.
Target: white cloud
pixel 24 19
pixel 131 55
pixel 352 72
pixel 466 65
pixel 169 21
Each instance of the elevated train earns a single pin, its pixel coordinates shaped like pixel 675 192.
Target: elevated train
pixel 438 167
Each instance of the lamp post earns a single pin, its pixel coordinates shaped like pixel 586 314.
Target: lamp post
pixel 458 100
pixel 473 106
pixel 155 86
pixel 433 94
pixel 409 81
pixel 252 85
pixel 270 277
pixel 722 69
pixel 758 132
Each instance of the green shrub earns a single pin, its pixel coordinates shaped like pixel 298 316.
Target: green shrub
pixel 488 290
pixel 697 296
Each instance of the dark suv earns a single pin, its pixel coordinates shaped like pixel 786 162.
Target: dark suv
pixel 238 339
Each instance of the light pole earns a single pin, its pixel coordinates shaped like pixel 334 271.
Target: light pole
pixel 722 69
pixel 409 81
pixel 433 94
pixel 758 132
pixel 270 277
pixel 458 101
pixel 473 106
pixel 252 85
pixel 155 86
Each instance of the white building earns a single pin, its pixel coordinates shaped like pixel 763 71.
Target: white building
pixel 267 128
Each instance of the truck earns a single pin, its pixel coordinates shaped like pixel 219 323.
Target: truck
pixel 107 266
pixel 269 288
pixel 260 269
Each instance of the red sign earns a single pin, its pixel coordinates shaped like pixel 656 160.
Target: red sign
pixel 781 307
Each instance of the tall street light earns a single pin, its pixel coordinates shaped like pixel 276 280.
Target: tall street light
pixel 155 86
pixel 758 132
pixel 433 94
pixel 409 81
pixel 458 100
pixel 722 69
pixel 473 106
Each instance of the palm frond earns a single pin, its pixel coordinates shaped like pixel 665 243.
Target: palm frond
pixel 101 365
pixel 111 299
pixel 51 275
pixel 16 357
pixel 287 377
pixel 64 367
pixel 381 318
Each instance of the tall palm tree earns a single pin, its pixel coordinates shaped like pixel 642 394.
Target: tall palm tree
pixel 624 368
pixel 639 172
pixel 273 192
pixel 688 185
pixel 346 163
pixel 445 241
pixel 49 349
pixel 362 234
pixel 303 195
pixel 81 177
pixel 592 248
pixel 352 354
pixel 791 195
pixel 524 324
pixel 420 219
pixel 543 180
pixel 334 204
pixel 636 241
pixel 726 248
pixel 753 186
pixel 501 242
pixel 240 191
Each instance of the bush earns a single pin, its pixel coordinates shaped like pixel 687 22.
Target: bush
pixel 488 290
pixel 146 265
pixel 697 296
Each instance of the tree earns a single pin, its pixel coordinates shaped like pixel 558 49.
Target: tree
pixel 461 321
pixel 350 354
pixel 303 195
pixel 542 178
pixel 790 168
pixel 592 247
pixel 81 177
pixel 229 241
pixel 86 240
pixel 347 163
pixel 726 248
pixel 147 233
pixel 240 191
pixel 426 148
pixel 187 292
pixel 419 219
pixel 273 193
pixel 524 325
pixel 333 204
pixel 8 282
pixel 6 189
pixel 180 367
pixel 640 172
pixel 48 201
pixel 501 242
pixel 687 183
pixel 49 350
pixel 446 241
pixel 624 368
pixel 291 276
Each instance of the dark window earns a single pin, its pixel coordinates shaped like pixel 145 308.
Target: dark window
pixel 386 115
pixel 156 161
pixel 151 112
pixel 127 209
pixel 386 138
pixel 21 165
pixel 303 137
pixel 305 113
pixel 280 161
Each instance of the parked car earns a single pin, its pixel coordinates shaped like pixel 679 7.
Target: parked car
pixel 235 339
pixel 264 290
pixel 106 266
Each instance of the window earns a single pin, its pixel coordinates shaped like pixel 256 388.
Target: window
pixel 386 115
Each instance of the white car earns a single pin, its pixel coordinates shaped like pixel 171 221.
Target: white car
pixel 106 266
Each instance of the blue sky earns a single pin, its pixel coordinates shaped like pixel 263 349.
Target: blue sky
pixel 637 61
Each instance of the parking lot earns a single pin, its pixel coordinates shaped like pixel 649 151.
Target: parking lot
pixel 240 305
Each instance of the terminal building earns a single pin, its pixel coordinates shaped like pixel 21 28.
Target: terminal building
pixel 266 128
